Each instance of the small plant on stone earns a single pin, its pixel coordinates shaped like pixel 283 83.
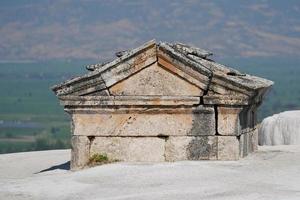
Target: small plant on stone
pixel 98 159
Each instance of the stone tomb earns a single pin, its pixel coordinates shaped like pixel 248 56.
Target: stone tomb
pixel 162 102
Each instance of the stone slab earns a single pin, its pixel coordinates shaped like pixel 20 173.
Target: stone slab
pixel 228 120
pixel 193 122
pixel 80 152
pixel 249 142
pixel 110 101
pixel 229 100
pixel 191 148
pixel 228 148
pixel 222 84
pixel 142 149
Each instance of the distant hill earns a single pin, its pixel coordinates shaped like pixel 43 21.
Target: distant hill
pixel 31 30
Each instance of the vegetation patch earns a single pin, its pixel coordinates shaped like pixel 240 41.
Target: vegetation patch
pixel 99 159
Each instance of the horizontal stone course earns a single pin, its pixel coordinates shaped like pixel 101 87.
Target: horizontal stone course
pixel 111 101
pixel 158 149
pixel 200 121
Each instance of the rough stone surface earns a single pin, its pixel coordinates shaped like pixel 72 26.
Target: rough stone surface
pixel 228 121
pixel 80 152
pixel 171 55
pixel 229 100
pixel 157 123
pixel 228 148
pixel 129 101
pixel 254 140
pixel 191 148
pixel 155 80
pixel 129 67
pixel 182 71
pixel 143 149
pixel 244 145
pixel 248 142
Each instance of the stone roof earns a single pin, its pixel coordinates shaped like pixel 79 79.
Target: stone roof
pixel 193 63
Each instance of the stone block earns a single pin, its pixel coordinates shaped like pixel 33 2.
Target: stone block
pixel 106 102
pixel 203 122
pixel 80 152
pixel 229 100
pixel 199 121
pixel 248 142
pixel 228 121
pixel 142 149
pixel 191 148
pixel 228 148
pixel 254 139
pixel 244 145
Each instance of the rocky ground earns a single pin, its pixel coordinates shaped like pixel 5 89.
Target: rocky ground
pixel 271 173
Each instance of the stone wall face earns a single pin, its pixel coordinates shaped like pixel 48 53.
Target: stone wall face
pixel 193 133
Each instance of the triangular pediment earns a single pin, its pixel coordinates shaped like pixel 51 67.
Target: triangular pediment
pixel 155 80
pixel 163 69
pixel 140 70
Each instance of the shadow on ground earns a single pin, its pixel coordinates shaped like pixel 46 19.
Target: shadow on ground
pixel 64 166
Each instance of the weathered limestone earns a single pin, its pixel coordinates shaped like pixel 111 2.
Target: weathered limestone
pixel 248 142
pixel 228 120
pixel 191 148
pixel 229 100
pixel 152 81
pixel 228 148
pixel 132 65
pixel 203 148
pixel 143 149
pixel 130 122
pixel 80 152
pixel 162 102
pixel 128 101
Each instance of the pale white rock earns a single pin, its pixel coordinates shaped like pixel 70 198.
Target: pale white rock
pixel 270 173
pixel 282 128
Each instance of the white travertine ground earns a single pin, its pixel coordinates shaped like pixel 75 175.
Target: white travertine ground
pixel 271 173
pixel 281 129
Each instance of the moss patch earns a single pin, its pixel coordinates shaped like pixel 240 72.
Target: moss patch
pixel 99 159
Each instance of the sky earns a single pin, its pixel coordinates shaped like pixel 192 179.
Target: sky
pixel 96 29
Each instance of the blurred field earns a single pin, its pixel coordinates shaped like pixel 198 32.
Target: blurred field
pixel 30 115
pixel 32 119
